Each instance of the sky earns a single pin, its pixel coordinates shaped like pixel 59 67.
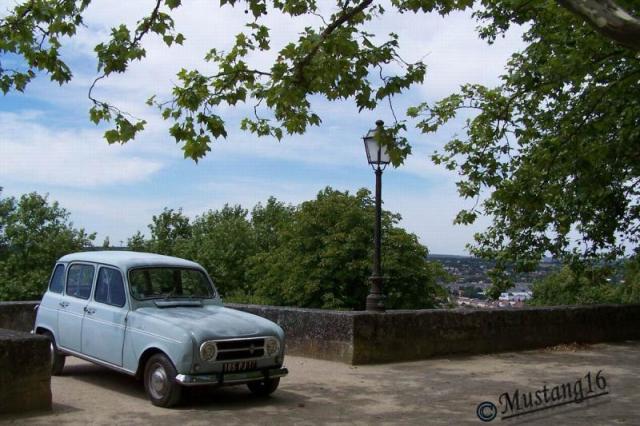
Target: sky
pixel 48 145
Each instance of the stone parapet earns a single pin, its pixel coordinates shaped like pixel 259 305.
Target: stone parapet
pixel 357 337
pixel 25 372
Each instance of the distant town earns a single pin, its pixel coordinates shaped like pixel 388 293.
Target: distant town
pixel 469 280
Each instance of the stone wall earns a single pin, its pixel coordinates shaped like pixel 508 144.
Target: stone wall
pixel 18 316
pixel 316 333
pixel 25 372
pixel 413 335
pixel 364 338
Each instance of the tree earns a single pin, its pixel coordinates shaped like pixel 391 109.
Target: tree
pixel 223 241
pixel 137 242
pixel 6 207
pixel 630 289
pixel 317 254
pixel 170 234
pixel 170 230
pixel 565 287
pixel 556 145
pixel 33 235
pixel 269 221
pixel 334 60
pixel 325 255
pixel 609 18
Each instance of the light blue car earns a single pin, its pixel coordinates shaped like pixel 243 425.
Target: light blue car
pixel 158 318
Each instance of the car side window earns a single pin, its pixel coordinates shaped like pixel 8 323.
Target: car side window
pixel 79 281
pixel 57 279
pixel 109 287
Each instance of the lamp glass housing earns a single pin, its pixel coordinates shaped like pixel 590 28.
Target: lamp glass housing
pixel 376 154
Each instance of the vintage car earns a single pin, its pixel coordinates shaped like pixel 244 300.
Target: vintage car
pixel 158 318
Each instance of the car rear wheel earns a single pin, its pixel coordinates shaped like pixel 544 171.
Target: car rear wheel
pixel 160 381
pixel 264 387
pixel 57 358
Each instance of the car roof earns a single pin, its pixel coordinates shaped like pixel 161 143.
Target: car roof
pixel 128 259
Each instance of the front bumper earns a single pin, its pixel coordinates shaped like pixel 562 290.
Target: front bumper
pixel 230 378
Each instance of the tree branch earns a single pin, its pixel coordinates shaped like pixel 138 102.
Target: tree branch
pixel 136 39
pixel 344 17
pixel 608 18
pixel 27 10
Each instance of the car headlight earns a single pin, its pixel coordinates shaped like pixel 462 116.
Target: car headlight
pixel 272 346
pixel 208 351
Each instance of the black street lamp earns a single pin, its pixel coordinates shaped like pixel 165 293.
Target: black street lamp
pixel 378 157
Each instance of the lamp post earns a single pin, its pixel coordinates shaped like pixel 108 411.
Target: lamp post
pixel 378 157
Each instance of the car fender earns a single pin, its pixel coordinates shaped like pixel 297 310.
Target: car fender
pixel 144 334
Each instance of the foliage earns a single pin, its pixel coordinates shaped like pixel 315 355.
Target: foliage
pixel 472 292
pixel 268 223
pixel 137 242
pixel 630 289
pixel 336 60
pixel 223 241
pixel 594 285
pixel 169 230
pixel 317 254
pixel 33 235
pixel 565 287
pixel 34 30
pixel 556 146
pixel 324 259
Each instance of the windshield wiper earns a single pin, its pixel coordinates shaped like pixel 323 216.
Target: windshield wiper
pixel 176 303
pixel 169 294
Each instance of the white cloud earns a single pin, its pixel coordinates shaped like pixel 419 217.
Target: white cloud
pixel 32 152
pixel 430 214
pixel 69 154
pixel 452 50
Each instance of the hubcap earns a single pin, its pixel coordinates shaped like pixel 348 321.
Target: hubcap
pixel 158 382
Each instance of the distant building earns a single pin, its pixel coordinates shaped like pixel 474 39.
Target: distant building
pixel 515 296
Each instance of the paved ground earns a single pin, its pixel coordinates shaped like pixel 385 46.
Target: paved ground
pixel 440 391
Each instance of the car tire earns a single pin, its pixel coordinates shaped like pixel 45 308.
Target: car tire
pixel 160 381
pixel 57 358
pixel 264 387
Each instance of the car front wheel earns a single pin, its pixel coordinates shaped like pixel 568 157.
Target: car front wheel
pixel 160 383
pixel 264 387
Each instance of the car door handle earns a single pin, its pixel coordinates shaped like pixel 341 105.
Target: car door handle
pixel 64 304
pixel 90 311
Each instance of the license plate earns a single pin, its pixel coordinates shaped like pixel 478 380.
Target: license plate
pixel 232 367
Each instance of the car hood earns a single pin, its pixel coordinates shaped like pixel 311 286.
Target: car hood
pixel 212 322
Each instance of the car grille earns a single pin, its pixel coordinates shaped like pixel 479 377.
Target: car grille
pixel 240 349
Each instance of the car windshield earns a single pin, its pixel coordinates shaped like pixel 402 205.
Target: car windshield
pixel 169 282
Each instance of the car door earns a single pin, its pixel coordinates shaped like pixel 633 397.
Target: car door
pixel 73 305
pixel 104 324
pixel 52 301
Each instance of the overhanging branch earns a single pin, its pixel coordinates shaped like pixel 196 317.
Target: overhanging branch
pixel 608 18
pixel 345 16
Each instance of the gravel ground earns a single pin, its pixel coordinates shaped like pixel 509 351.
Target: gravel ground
pixel 437 391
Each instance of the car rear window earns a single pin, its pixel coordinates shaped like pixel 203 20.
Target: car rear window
pixel 57 279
